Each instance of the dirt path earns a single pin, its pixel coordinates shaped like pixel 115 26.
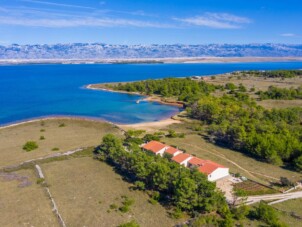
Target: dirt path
pixel 221 156
pixel 44 158
pixel 279 197
pixel 250 173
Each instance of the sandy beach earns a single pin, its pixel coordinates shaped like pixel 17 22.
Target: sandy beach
pixel 149 126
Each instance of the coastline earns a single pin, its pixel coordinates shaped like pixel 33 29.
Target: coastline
pixel 143 125
pixel 162 122
pixel 180 60
pixel 147 98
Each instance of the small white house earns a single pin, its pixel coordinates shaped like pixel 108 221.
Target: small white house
pixel 155 147
pixel 182 159
pixel 213 170
pixel 172 151
pixel 218 174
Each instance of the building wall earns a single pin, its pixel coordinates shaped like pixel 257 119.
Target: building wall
pixel 218 173
pixel 177 153
pixel 185 162
pixel 161 152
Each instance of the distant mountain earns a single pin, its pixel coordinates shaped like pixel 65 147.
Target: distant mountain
pixel 105 51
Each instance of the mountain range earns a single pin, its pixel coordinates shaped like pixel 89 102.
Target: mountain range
pixel 110 51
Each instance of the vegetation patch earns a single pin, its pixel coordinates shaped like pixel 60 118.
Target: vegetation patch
pixel 248 188
pixel 187 190
pixel 30 146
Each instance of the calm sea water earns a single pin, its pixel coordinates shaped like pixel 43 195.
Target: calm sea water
pixel 31 91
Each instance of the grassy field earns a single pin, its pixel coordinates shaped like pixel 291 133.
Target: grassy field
pixel 290 211
pixel 64 134
pixel 197 145
pixel 261 84
pixel 23 202
pixel 85 188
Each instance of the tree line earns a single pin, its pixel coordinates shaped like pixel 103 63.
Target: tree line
pixel 275 73
pixel 184 89
pixel 175 186
pixel 187 190
pixel 281 93
pixel 270 135
pixel 234 119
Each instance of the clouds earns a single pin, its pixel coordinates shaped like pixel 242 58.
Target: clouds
pixel 288 35
pixel 59 4
pixel 79 22
pixel 216 20
pixel 50 14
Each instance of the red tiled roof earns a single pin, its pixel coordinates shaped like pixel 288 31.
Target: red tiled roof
pixel 180 157
pixel 171 150
pixel 154 146
pixel 209 167
pixel 196 161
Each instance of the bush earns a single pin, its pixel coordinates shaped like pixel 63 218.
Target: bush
pixel 55 149
pixel 242 88
pixel 30 145
pixel 140 185
pixel 286 182
pixel 126 204
pixel 62 125
pixel 42 138
pixel 113 206
pixel 129 224
pixel 172 134
pixel 267 214
pixel 176 213
pixel 230 86
pixel 240 212
pixel 40 180
pixel 124 209
pixel 150 137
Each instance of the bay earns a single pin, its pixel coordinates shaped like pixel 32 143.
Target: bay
pixel 34 91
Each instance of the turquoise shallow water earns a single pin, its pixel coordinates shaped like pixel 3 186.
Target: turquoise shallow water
pixel 31 91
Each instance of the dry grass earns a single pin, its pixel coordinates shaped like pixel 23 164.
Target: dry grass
pixel 197 145
pixel 85 188
pixel 76 133
pixel 24 206
pixel 269 104
pixel 290 211
pixel 261 84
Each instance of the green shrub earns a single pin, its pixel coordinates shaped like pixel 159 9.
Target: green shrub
pixel 267 214
pixel 113 206
pixel 40 180
pixel 55 149
pixel 42 130
pixel 129 224
pixel 172 134
pixel 42 138
pixel 176 213
pixel 230 86
pixel 124 209
pixel 30 145
pixel 62 125
pixel 140 185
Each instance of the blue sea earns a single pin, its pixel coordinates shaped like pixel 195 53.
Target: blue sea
pixel 34 91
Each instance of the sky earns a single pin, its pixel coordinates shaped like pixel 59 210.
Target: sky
pixel 150 21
